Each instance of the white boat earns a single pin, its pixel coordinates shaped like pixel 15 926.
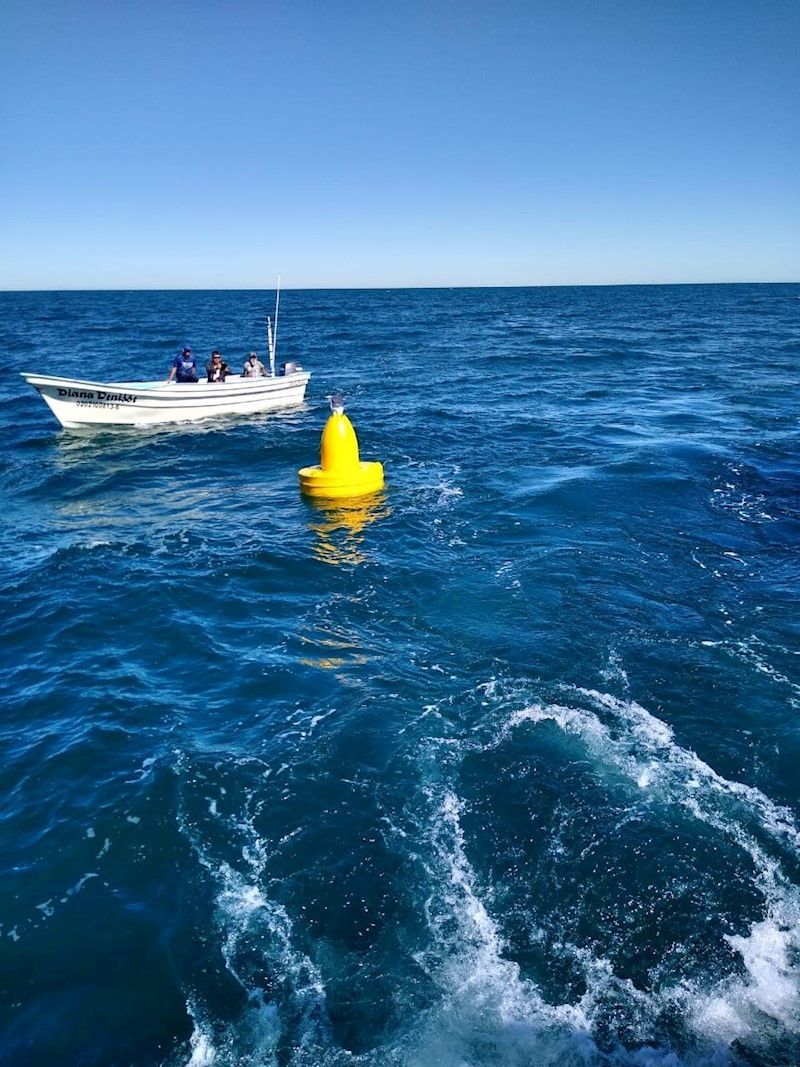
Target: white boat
pixel 77 403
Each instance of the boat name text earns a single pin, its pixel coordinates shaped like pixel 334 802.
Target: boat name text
pixel 99 394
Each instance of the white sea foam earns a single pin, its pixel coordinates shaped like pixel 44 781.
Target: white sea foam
pixel 73 890
pixel 317 719
pixel 203 1053
pixel 742 1006
pixel 753 652
pixel 247 918
pixel 485 1010
pixel 680 768
pixel 642 747
pixel 257 946
pixel 488 1012
pixel 614 671
pixel 142 771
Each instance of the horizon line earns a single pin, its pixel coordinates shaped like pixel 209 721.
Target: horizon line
pixel 378 288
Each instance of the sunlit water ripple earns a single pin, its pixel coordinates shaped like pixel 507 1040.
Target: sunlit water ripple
pixel 501 768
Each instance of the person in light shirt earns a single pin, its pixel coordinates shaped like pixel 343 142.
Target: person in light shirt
pixel 253 367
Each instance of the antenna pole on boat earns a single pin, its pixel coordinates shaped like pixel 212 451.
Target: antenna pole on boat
pixel 272 332
pixel 270 348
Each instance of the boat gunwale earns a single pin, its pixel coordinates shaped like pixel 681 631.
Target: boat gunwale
pixel 178 392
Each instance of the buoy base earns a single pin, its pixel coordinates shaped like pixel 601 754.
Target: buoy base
pixel 356 481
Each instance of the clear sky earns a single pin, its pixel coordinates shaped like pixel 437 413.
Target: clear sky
pixel 189 143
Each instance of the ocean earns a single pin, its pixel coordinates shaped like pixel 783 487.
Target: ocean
pixel 500 768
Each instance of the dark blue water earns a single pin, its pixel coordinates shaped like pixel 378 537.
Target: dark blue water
pixel 500 768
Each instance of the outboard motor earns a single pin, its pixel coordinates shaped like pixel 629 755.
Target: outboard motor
pixel 290 367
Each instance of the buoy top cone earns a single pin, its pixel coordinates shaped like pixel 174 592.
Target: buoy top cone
pixel 338 449
pixel 340 472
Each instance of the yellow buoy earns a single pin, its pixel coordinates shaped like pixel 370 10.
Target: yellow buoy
pixel 340 472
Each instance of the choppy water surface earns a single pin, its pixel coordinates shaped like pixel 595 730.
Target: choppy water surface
pixel 501 768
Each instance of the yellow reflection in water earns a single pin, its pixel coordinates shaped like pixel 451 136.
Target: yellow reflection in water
pixel 339 526
pixel 336 653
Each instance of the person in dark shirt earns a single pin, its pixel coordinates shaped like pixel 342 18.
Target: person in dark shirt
pixel 184 369
pixel 217 368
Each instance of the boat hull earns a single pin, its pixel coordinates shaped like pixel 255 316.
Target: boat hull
pixel 78 404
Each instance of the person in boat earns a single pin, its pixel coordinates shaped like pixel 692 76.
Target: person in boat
pixel 184 369
pixel 253 367
pixel 217 368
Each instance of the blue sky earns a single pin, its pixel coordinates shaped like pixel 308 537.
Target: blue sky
pixel 198 144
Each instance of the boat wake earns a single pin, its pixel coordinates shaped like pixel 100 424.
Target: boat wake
pixel 727 996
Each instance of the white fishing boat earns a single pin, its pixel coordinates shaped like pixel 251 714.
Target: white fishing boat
pixel 77 403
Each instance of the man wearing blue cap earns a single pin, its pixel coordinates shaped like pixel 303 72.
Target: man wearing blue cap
pixel 184 369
